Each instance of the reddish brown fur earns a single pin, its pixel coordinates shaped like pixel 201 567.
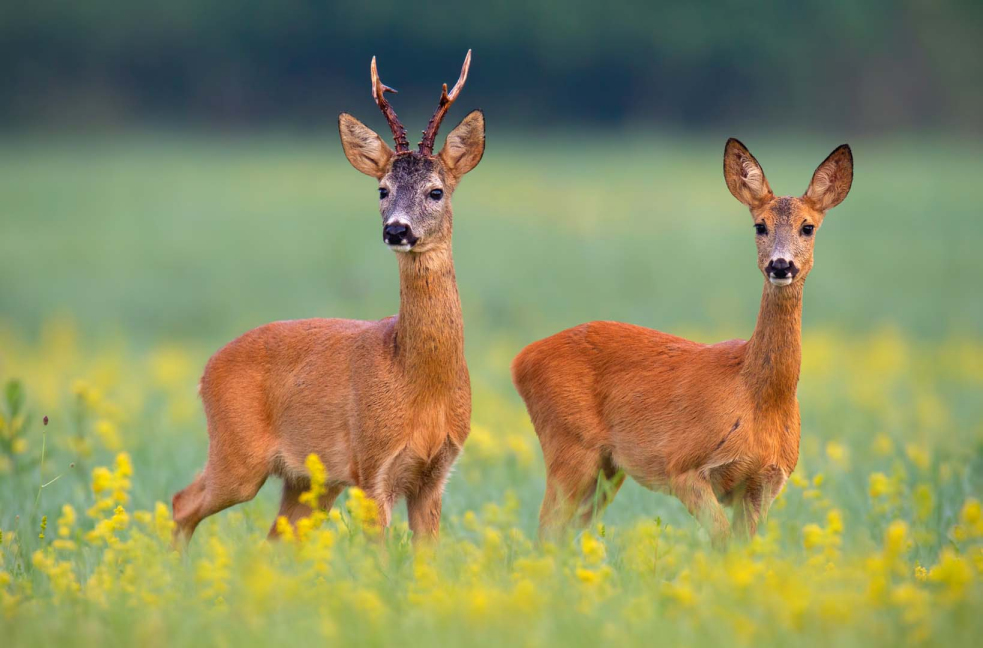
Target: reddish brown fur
pixel 386 405
pixel 711 424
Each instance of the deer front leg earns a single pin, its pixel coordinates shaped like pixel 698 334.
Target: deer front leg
pixel 423 504
pixel 423 508
pixel 694 491
pixel 384 508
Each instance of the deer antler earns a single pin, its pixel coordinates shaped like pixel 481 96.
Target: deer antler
pixel 379 90
pixel 429 135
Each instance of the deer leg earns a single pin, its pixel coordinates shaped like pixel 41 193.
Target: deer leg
pixel 607 483
pixel 752 507
pixel 696 493
pixel 772 480
pixel 747 510
pixel 424 508
pixel 292 508
pixel 571 483
pixel 186 507
pixel 208 494
pixel 384 508
pixel 234 474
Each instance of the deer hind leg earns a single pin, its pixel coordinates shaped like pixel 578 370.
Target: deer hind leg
pixel 293 509
pixel 747 510
pixel 186 506
pixel 573 494
pixel 772 480
pixel 752 507
pixel 607 482
pixel 696 493
pixel 234 474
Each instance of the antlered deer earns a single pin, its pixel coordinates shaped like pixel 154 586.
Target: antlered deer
pixel 386 405
pixel 711 424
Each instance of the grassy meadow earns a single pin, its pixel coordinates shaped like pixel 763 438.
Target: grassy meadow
pixel 126 260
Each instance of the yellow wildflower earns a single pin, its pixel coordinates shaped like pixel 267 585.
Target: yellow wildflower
pixel 896 538
pixel 593 549
pixel 66 521
pixel 883 445
pixel 284 529
pixel 838 454
pixel 812 536
pixel 318 478
pixel 363 511
pixel 971 517
pixel 880 485
pixel 953 572
pixel 108 434
pixel 918 456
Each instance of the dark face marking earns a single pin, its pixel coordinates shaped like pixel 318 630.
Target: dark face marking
pixel 783 208
pixel 411 168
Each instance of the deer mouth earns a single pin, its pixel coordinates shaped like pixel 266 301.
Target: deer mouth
pixel 400 247
pixel 780 281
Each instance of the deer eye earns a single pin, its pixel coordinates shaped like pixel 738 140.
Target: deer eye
pixel 383 193
pixel 436 194
pixel 807 230
pixel 761 229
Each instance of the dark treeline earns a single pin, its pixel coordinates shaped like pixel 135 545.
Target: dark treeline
pixel 865 65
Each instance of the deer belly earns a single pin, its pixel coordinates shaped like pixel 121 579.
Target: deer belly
pixel 647 468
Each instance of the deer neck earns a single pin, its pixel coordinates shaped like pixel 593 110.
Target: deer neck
pixel 774 352
pixel 429 343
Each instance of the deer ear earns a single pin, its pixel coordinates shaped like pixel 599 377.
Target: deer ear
pixel 464 145
pixel 832 180
pixel 363 147
pixel 745 178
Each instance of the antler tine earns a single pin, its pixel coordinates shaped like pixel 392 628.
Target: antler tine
pixel 430 135
pixel 379 90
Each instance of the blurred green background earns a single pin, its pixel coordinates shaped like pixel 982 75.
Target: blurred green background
pixel 201 238
pixel 878 65
pixel 172 171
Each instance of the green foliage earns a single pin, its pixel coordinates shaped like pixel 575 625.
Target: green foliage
pixel 815 63
pixel 14 393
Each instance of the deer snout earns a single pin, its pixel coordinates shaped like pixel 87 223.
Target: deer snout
pixel 781 271
pixel 399 236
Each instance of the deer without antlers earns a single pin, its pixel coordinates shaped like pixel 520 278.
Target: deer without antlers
pixel 386 405
pixel 711 424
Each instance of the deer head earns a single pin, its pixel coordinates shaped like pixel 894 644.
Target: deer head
pixel 415 187
pixel 785 227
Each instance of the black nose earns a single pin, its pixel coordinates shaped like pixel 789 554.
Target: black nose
pixel 398 234
pixel 781 268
